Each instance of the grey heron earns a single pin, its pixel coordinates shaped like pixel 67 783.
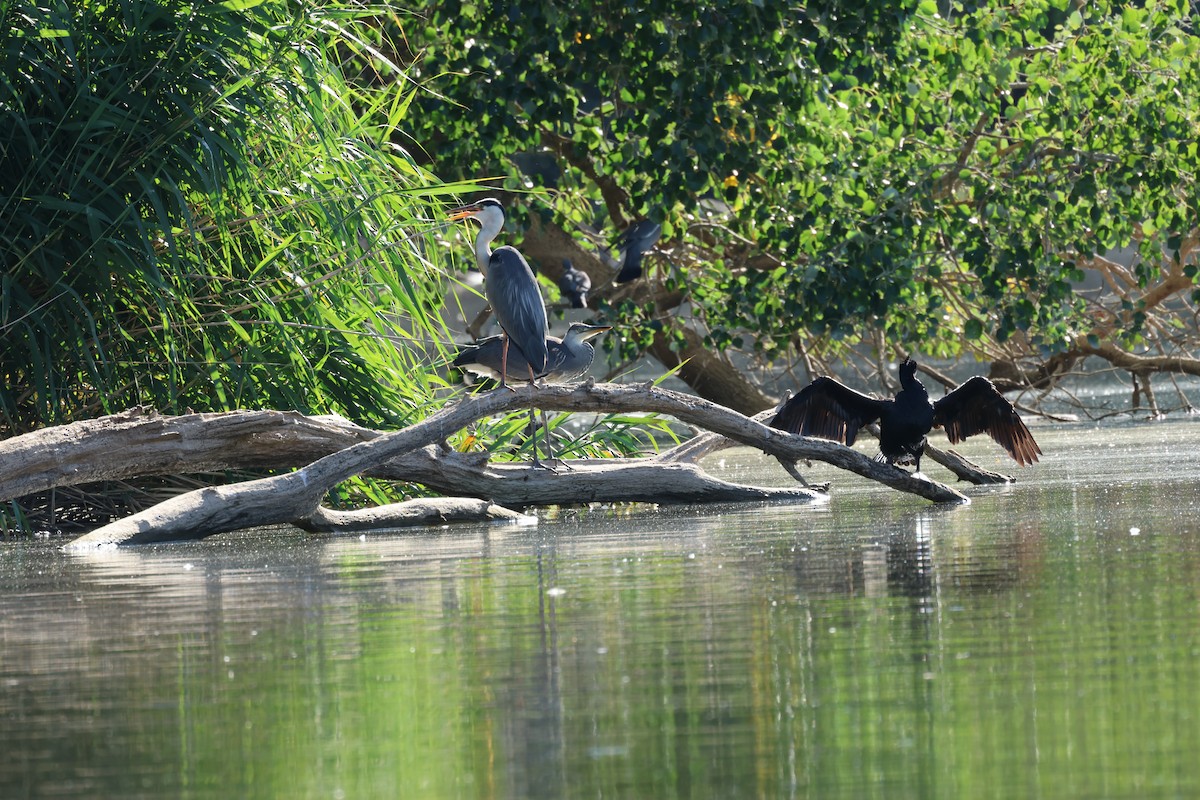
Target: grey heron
pixel 574 284
pixel 569 359
pixel 635 241
pixel 511 290
pixel 827 409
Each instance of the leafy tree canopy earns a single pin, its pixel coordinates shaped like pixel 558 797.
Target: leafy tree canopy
pixel 942 174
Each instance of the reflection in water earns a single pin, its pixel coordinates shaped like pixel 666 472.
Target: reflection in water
pixel 1039 642
pixel 535 738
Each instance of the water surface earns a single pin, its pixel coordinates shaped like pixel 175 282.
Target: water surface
pixel 1041 642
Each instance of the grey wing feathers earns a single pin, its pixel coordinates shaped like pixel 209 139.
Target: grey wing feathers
pixel 477 353
pixel 484 358
pixel 828 410
pixel 568 365
pixel 978 407
pixel 517 302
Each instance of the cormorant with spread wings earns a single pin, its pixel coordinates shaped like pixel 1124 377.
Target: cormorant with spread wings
pixel 830 410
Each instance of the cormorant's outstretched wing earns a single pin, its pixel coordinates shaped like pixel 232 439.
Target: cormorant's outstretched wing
pixel 978 407
pixel 828 410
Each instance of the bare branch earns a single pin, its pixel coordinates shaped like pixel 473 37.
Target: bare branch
pixel 297 495
pixel 410 513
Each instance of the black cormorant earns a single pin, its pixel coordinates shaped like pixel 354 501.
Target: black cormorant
pixel 827 409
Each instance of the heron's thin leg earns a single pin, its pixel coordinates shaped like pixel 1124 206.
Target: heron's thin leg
pixel 545 426
pixel 503 360
pixel 533 426
pixel 545 429
pixel 550 444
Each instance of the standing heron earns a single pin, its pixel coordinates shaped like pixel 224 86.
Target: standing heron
pixel 827 409
pixel 511 290
pixel 569 358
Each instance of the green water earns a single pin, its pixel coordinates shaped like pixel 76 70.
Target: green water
pixel 1041 642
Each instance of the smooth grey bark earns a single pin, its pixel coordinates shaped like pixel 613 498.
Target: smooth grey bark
pixel 148 443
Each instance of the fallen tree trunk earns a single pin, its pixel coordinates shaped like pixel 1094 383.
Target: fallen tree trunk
pixel 413 455
pixel 410 513
pixel 626 480
pixel 140 443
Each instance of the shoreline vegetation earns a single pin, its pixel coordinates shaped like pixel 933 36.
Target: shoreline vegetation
pixel 326 451
pixel 817 211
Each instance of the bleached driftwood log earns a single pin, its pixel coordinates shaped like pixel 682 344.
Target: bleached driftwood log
pixel 139 443
pixel 410 513
pixel 296 496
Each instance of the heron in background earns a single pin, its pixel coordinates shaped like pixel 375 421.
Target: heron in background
pixel 574 284
pixel 569 358
pixel 827 409
pixel 637 239
pixel 511 289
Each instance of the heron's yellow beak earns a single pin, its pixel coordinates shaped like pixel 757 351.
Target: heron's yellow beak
pixel 596 330
pixel 462 213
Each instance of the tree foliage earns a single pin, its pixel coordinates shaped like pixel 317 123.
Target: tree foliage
pixel 202 208
pixel 162 245
pixel 934 176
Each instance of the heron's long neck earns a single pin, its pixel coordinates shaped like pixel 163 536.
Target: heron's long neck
pixel 483 242
pixel 576 346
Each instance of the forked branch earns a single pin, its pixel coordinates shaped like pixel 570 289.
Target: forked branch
pixel 412 454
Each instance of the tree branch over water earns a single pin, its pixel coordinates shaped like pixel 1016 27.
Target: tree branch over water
pixel 135 443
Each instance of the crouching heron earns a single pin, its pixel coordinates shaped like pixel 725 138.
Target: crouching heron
pixel 568 359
